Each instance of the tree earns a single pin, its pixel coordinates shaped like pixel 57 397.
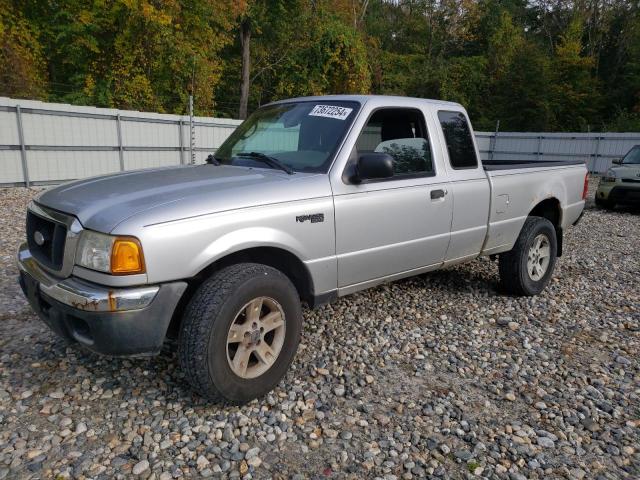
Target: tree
pixel 548 64
pixel 332 58
pixel 262 21
pixel 351 11
pixel 521 97
pixel 245 37
pixel 619 70
pixel 22 65
pixel 465 80
pixel 161 53
pixel 311 52
pixel 576 97
pixel 138 54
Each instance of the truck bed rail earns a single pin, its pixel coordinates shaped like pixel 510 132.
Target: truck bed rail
pixel 493 165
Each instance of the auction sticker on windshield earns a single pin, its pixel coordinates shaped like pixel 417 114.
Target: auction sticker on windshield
pixel 330 111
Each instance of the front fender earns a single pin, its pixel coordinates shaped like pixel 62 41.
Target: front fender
pixel 246 238
pixel 181 249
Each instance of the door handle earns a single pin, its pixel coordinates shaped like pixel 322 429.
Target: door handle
pixel 438 193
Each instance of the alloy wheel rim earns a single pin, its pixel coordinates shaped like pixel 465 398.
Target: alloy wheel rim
pixel 255 337
pixel 539 257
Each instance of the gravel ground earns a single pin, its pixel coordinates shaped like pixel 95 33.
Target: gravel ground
pixel 435 376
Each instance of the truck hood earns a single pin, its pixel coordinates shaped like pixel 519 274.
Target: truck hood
pixel 166 194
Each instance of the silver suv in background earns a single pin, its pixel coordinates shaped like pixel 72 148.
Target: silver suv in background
pixel 308 200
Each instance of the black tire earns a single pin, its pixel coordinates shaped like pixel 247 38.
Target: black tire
pixel 514 274
pixel 607 204
pixel 202 343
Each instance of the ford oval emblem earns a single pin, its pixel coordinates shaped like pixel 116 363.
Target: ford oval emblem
pixel 39 238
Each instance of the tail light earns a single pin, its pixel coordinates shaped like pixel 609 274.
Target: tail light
pixel 585 189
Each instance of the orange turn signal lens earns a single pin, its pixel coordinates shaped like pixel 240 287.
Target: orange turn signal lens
pixel 126 256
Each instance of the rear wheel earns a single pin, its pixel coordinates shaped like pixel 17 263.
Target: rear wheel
pixel 527 268
pixel 240 332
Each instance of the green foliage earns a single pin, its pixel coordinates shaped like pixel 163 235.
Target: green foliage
pixel 465 80
pixel 472 465
pixel 575 92
pixel 531 65
pixel 333 60
pixel 22 67
pixel 521 97
pixel 314 52
pixel 624 122
pixel 505 42
pixel 137 54
pixel 409 159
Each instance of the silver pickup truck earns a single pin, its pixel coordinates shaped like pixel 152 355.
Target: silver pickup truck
pixel 308 200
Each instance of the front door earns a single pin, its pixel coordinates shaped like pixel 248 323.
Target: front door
pixel 388 227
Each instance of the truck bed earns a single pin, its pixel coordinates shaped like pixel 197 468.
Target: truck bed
pixel 518 186
pixel 493 165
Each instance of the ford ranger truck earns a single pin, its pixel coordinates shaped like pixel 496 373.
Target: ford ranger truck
pixel 308 200
pixel 621 183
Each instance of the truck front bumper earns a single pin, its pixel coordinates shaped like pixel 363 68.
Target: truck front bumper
pixel 110 321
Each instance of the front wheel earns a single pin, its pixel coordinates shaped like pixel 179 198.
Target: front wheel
pixel 240 332
pixel 527 268
pixel 605 203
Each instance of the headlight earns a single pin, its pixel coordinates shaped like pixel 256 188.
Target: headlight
pixel 110 254
pixel 610 176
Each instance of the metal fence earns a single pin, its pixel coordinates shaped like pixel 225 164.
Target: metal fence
pixel 45 143
pixel 597 150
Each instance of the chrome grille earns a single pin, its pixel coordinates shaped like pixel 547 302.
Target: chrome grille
pixel 52 237
pixel 46 240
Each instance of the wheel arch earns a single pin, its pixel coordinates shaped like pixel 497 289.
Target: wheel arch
pixel 551 209
pixel 279 258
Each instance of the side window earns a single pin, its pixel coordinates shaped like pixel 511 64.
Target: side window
pixel 457 134
pixel 402 133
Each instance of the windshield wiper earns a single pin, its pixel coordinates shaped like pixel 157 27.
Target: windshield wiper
pixel 269 160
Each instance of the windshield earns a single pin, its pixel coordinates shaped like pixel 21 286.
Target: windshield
pixel 632 157
pixel 302 135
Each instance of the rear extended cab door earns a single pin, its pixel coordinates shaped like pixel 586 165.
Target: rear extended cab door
pixel 469 184
pixel 389 228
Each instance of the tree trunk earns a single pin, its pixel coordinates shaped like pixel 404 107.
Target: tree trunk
pixel 245 37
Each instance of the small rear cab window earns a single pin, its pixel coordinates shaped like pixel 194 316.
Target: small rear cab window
pixel 457 134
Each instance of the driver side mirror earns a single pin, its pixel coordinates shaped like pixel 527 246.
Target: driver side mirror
pixel 374 165
pixel 617 161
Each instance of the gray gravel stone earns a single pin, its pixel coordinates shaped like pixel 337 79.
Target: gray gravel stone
pixel 546 442
pixel 463 455
pixel 251 453
pixel 140 467
pixel 447 378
